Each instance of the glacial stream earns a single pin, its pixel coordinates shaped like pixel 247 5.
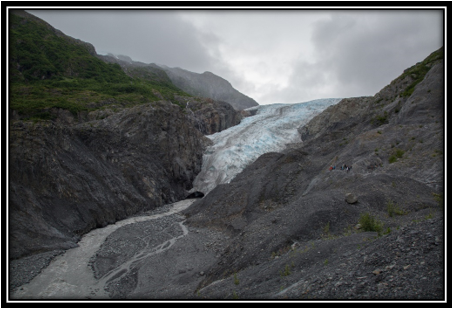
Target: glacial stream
pixel 69 275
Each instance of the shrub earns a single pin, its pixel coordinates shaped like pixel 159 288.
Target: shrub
pixel 392 159
pixel 398 154
pixel 370 224
pixel 286 272
pixel 393 209
pixel 381 119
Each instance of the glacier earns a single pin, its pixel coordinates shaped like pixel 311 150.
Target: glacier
pixel 270 129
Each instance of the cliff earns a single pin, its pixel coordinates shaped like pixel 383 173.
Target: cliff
pixel 67 180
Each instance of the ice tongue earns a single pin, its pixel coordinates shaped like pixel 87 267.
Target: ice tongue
pixel 270 129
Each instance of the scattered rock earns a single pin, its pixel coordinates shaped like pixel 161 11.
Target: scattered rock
pixel 351 198
pixel 377 271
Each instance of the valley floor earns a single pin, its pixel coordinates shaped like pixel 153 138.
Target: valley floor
pixel 155 256
pixel 70 275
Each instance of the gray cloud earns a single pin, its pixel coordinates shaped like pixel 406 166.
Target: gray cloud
pixel 364 51
pixel 271 56
pixel 160 37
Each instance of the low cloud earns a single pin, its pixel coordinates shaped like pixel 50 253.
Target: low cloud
pixel 271 56
pixel 160 37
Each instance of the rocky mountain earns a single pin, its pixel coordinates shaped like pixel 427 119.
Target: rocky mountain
pixel 354 211
pixel 209 115
pixel 92 141
pixel 209 85
pixel 300 223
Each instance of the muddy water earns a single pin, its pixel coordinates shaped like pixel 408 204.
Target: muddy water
pixel 69 276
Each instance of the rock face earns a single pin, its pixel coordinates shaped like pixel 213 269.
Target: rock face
pixel 210 116
pixel 209 85
pixel 68 179
pixel 94 157
pixel 394 143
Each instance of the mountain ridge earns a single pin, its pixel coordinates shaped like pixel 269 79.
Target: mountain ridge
pixel 208 84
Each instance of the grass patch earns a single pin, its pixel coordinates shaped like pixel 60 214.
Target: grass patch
pixel 439 198
pixel 418 71
pixel 236 280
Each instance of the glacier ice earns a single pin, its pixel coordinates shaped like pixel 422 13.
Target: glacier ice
pixel 269 130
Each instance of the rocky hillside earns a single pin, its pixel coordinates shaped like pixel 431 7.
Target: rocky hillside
pixel 209 115
pixel 92 142
pixel 67 180
pixel 300 229
pixel 209 85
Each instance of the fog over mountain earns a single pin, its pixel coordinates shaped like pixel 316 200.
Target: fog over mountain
pixel 269 55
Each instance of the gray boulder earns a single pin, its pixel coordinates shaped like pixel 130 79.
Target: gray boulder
pixel 350 198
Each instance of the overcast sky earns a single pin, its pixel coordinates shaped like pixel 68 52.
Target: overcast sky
pixel 273 56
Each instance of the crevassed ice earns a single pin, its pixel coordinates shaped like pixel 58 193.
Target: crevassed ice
pixel 270 129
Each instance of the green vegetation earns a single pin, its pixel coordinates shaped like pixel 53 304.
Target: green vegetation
pixel 393 209
pixel 286 271
pixel 326 228
pixel 437 152
pixel 398 154
pixel 418 71
pixel 51 70
pixel 439 198
pixel 392 159
pixel 369 224
pixel 430 215
pixel 281 251
pixel 381 119
pixel 236 280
